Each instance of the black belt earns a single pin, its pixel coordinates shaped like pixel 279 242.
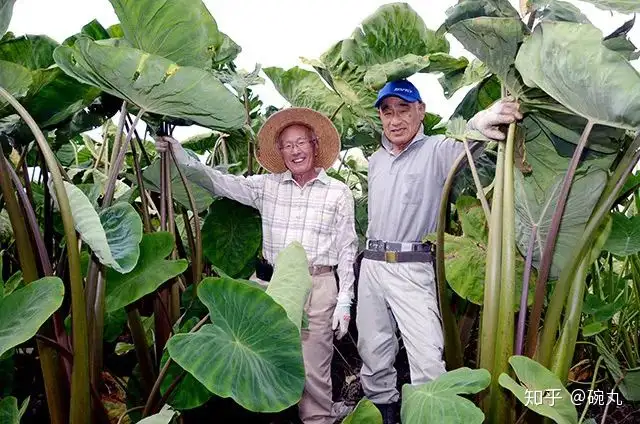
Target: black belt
pixel 379 250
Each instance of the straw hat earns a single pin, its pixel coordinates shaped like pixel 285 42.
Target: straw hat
pixel 268 154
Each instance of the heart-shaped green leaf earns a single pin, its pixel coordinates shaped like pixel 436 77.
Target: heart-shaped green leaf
pixel 540 390
pixel 153 83
pixel 624 239
pixel 149 273
pixel 113 235
pixel 26 309
pixel 231 235
pixel 253 350
pixel 439 401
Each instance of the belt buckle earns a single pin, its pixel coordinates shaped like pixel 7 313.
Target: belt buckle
pixel 391 256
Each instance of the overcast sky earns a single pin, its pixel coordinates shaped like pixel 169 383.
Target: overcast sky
pixel 278 32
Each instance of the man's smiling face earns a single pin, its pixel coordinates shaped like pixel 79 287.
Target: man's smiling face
pixel 400 119
pixel 298 148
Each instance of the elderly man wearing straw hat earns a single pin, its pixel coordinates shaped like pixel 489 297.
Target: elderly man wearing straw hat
pixel 396 288
pixel 298 201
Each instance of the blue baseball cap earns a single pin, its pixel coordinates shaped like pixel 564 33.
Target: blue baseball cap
pixel 400 88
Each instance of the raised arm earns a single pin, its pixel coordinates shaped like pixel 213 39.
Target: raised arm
pixel 486 122
pixel 246 190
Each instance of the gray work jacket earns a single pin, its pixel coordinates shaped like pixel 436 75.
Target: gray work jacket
pixel 405 188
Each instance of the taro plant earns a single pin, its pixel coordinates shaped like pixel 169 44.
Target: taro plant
pixel 549 207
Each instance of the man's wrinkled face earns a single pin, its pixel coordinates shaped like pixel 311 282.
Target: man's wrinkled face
pixel 400 119
pixel 297 146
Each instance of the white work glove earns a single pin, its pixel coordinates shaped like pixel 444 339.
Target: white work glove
pixel 342 316
pixel 163 143
pixel 504 111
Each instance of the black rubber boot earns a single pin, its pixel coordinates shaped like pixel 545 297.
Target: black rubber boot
pixel 389 412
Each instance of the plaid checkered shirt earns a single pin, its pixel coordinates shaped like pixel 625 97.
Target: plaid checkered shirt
pixel 319 215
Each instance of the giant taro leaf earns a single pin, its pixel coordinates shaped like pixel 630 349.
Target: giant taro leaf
pixel 151 271
pixel 536 195
pixel 290 284
pixel 555 403
pixel 624 239
pixel 26 309
pixel 495 42
pixel 153 83
pixel 391 44
pixel 231 235
pixel 182 31
pixel 391 32
pixel 251 352
pixel 348 81
pixel 439 401
pixel 585 76
pixel 113 235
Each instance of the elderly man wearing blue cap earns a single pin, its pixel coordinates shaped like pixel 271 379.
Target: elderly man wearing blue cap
pixel 397 280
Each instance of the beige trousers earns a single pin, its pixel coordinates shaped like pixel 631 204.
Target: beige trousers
pixel 316 405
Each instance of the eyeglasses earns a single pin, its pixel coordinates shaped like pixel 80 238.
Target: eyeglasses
pixel 301 143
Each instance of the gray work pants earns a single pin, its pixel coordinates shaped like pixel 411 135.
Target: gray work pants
pixel 392 295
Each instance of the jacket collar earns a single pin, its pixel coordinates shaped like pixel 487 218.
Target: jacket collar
pixel 323 177
pixel 416 139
